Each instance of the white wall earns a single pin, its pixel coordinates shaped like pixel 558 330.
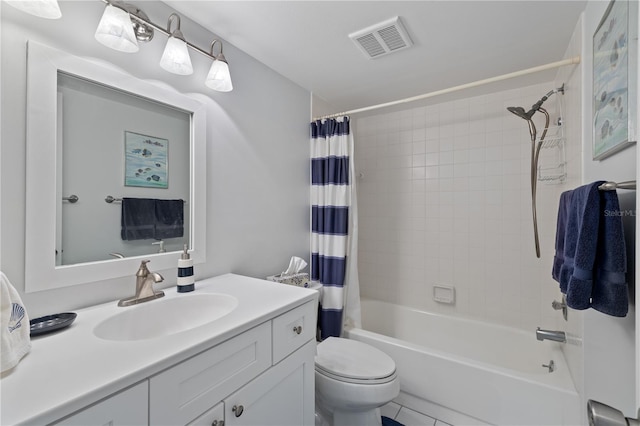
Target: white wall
pixel 572 77
pixel 445 199
pixel 257 152
pixel 610 356
pixel 320 107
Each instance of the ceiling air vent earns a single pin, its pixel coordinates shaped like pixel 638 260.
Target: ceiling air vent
pixel 381 39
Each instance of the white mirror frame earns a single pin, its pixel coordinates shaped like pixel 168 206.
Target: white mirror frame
pixel 41 273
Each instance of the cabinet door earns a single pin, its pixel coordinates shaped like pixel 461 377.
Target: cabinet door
pixel 281 396
pixel 127 408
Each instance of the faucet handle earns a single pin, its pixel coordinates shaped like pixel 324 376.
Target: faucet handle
pixel 160 243
pixel 562 305
pixel 143 271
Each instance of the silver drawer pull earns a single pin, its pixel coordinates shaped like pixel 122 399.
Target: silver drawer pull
pixel 238 410
pixel 218 423
pixel 297 329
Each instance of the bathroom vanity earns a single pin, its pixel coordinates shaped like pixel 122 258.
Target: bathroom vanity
pixel 253 365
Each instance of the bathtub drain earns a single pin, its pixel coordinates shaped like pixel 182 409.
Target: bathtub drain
pixel 551 366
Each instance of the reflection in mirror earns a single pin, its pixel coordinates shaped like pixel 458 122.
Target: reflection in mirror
pixel 118 144
pixel 94 131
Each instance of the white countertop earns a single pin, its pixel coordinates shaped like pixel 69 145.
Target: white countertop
pixel 71 368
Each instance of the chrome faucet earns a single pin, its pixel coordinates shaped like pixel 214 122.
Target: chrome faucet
pixel 144 286
pixel 556 336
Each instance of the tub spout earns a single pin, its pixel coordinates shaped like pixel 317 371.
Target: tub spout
pixel 556 336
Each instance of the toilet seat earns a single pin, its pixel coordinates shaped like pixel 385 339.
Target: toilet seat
pixel 352 361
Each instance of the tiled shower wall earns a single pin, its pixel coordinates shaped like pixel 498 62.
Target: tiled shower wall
pixel 444 198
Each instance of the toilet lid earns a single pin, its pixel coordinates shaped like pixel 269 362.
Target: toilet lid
pixel 351 359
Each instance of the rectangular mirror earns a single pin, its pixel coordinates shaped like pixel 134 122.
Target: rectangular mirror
pixel 96 135
pixel 120 145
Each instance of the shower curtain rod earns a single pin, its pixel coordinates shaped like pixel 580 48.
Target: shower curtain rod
pixel 570 61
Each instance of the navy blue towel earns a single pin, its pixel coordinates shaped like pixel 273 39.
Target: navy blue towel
pixel 610 291
pixel 581 239
pixel 561 227
pixel 149 218
pixel 169 219
pixel 594 265
pixel 138 219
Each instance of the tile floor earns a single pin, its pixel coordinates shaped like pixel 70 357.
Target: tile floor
pixel 409 417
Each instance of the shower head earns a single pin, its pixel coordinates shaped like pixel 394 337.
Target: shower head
pixel 520 112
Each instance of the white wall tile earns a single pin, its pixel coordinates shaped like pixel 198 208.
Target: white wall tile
pixel 447 201
pixel 446 171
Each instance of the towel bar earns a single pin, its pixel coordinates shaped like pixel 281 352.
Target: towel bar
pixel 612 186
pixel 109 199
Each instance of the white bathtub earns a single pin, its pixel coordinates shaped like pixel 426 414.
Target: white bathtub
pixel 470 372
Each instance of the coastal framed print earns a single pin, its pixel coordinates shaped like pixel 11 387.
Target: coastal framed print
pixel 615 71
pixel 146 161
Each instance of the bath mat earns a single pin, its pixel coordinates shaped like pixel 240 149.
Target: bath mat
pixel 386 421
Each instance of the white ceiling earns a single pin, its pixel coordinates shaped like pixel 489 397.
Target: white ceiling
pixel 455 42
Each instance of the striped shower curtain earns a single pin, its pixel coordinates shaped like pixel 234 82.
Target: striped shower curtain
pixel 333 230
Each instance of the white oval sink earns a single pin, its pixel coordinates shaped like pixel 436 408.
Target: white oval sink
pixel 164 317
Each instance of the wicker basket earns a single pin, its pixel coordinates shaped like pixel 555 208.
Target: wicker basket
pixel 299 280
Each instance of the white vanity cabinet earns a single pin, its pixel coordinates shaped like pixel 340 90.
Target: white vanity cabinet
pixel 259 358
pixel 125 408
pixel 243 373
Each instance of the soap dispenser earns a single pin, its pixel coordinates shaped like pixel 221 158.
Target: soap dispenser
pixel 186 281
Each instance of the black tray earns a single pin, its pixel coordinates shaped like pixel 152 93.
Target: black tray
pixel 49 323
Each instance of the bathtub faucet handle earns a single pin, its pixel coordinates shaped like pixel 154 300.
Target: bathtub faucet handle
pixel 562 305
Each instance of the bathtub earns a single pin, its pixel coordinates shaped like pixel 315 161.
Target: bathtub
pixel 469 372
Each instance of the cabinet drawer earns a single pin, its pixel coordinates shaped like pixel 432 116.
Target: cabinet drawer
pixel 293 329
pixel 128 407
pixel 184 392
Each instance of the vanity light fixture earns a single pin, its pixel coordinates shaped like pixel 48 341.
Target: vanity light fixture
pixel 219 77
pixel 47 9
pixel 119 31
pixel 175 57
pixel 115 30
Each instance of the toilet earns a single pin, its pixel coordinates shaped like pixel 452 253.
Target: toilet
pixel 353 380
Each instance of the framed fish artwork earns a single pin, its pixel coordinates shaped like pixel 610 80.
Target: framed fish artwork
pixel 145 161
pixel 615 71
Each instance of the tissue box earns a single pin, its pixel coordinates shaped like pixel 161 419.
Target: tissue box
pixel 300 280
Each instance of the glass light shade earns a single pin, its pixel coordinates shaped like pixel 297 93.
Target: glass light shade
pixel 219 77
pixel 48 9
pixel 115 30
pixel 176 58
